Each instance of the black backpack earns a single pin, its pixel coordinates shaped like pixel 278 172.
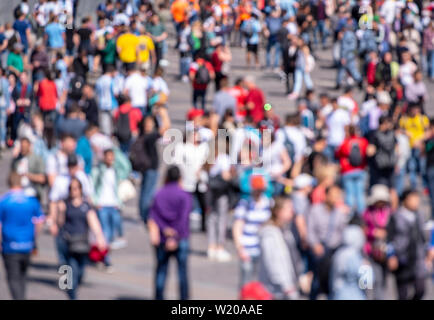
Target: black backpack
pixel 385 157
pixel 139 158
pixel 122 129
pixel 76 87
pixel 355 158
pixel 247 29
pixel 202 75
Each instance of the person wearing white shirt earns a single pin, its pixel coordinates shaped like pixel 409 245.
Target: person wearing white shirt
pixel 137 86
pixel 336 122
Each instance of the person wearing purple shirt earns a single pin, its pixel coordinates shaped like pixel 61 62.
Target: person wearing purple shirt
pixel 169 231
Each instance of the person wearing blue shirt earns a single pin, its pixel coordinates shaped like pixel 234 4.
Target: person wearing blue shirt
pixel 23 27
pixel 21 217
pixel 251 29
pixel 55 34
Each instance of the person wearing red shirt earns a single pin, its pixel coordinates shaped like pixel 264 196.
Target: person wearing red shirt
pixel 199 83
pixel 220 55
pixel 255 100
pixel 352 159
pixel 47 98
pixel 240 94
pixel 135 116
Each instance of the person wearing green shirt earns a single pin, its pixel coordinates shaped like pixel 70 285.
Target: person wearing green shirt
pixel 15 61
pixel 158 33
pixel 109 52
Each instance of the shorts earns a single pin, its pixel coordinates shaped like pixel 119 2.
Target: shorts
pixel 252 48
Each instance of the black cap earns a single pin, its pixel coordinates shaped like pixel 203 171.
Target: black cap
pixel 72 160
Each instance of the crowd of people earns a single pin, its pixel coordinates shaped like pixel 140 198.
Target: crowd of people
pixel 326 200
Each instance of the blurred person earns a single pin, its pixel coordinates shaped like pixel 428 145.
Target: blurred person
pixel 336 122
pixel 326 223
pixel 18 233
pixel 169 231
pixel 415 125
pixel 352 158
pixel 279 267
pixel 201 73
pixel 304 65
pixel 137 86
pixel 250 214
pixel 223 100
pixel 407 239
pixel 79 219
pixel 346 265
pixel 255 99
pixel 31 168
pixel 106 99
pixel 4 105
pixel 22 95
pixel 273 24
pixel 251 29
pixel 376 218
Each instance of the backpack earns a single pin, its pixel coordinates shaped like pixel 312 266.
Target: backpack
pixel 202 75
pixel 76 87
pixel 139 159
pixel 385 157
pixel 355 158
pixel 247 30
pixel 289 146
pixel 122 129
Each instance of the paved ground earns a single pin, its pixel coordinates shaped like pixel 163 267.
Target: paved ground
pixel 134 265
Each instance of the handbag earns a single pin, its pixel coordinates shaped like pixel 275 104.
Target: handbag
pixel 126 190
pixel 77 243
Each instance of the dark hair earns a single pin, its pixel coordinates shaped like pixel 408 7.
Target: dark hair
pixel 292 118
pixel 407 193
pixel 173 174
pixel 74 179
pixel 72 160
pixel 384 119
pixel 14 179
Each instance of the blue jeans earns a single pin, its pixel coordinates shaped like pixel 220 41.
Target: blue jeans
pixel 147 190
pixel 277 52
pixel 181 255
pixel 416 167
pixel 351 68
pixel 301 75
pixel 3 121
pixel 110 219
pixel 430 178
pixel 77 262
pixel 400 180
pixel 354 186
pixel 321 29
pixel 184 65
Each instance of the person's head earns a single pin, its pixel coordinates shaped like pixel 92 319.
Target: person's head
pixel 24 78
pixel 333 196
pixel 302 105
pixel 249 82
pixel 324 99
pixel 75 189
pixel 173 175
pixel 73 165
pixel 155 19
pixel 109 157
pixel 292 119
pixel 14 180
pixel 334 103
pixel 110 70
pixel 148 124
pixel 68 144
pixel 25 146
pixel 352 131
pixel 88 91
pixel 385 123
pixel 380 196
pixel 418 76
pixel 224 82
pixel 159 72
pixel 303 182
pixel 410 199
pixel 387 57
pixel 406 56
pixel 414 110
pixel 258 186
pixel 282 212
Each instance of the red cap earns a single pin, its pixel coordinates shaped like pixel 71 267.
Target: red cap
pixel 254 291
pixel 257 182
pixel 194 113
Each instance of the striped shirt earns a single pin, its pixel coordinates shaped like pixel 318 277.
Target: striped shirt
pixel 254 214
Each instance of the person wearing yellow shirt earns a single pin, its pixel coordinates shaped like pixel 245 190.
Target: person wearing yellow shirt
pixel 416 126
pixel 146 53
pixel 128 46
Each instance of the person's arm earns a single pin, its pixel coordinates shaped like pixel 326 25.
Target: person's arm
pixel 286 161
pixel 95 227
pixel 165 121
pixel 154 232
pixel 237 231
pixel 301 225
